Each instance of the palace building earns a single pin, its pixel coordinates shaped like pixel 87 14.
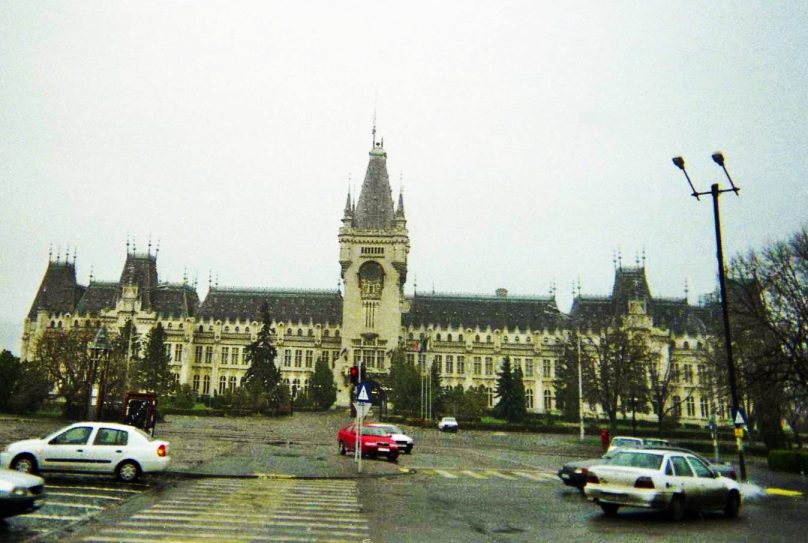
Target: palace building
pixel 468 335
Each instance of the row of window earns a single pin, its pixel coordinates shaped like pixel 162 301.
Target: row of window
pixel 482 365
pixel 201 384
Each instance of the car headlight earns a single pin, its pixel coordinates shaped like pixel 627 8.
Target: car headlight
pixel 20 491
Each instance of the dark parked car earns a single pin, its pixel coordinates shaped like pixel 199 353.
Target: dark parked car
pixel 574 473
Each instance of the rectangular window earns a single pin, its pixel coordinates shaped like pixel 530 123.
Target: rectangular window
pixel 461 365
pixel 370 359
pixel 167 350
pixel 287 358
pixel 517 364
pixel 309 359
pixel 546 369
pixel 206 385
pixel 438 361
pixel 208 355
pixel 178 352
pixel 686 374
pixel 225 355
pixel 528 367
pixel 298 358
pixel 478 365
pixel 198 354
pixel 449 363
pixel 489 365
pixel 234 355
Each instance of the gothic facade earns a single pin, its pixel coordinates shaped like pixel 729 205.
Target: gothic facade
pixel 468 335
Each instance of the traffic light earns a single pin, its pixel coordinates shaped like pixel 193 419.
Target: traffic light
pixel 354 375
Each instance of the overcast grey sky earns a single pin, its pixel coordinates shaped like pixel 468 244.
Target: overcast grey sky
pixel 534 138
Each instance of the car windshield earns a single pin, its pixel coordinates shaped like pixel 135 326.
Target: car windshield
pixel 637 460
pixel 373 431
pixel 449 419
pixel 390 429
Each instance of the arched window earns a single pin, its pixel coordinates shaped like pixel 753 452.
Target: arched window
pixel 222 384
pixel 460 338
pixel 76 324
pixel 504 339
pixel 548 400
pixel 326 333
pixel 529 398
pixel 336 333
pixel 237 329
pixel 690 405
pixel 677 406
pixel 196 383
pixel 437 336
pixel 170 326
pixel 477 338
pixel 180 326
pixel 232 384
pixel 449 338
pixel 705 407
pixel 488 338
pixel 247 329
pixel 206 385
pixel 288 331
pixel 516 339
pixel 226 328
pixel 300 332
pixel 686 345
pixel 59 324
pixel 311 332
pixel 528 339
pixel 201 328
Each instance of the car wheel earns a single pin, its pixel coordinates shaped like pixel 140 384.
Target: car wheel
pixel 128 471
pixel 408 450
pixel 676 510
pixel 342 449
pixel 392 458
pixel 733 504
pixel 609 509
pixel 24 463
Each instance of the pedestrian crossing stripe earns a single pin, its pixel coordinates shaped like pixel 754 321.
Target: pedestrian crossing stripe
pixel 510 475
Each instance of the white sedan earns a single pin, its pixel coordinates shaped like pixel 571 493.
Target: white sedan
pixel 90 447
pixel 448 424
pixel 665 480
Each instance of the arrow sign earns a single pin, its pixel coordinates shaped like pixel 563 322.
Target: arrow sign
pixel 363 393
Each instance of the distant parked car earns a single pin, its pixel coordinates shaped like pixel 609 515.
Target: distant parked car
pixel 373 442
pixel 405 443
pixel 654 443
pixel 20 493
pixel 447 424
pixel 623 442
pixel 660 479
pixel 90 447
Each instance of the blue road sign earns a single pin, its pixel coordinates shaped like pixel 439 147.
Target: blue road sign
pixel 363 393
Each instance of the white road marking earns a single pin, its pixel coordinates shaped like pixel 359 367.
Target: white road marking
pixel 55 517
pixel 474 475
pixel 93 496
pixel 446 474
pixel 125 490
pixel 74 505
pixel 500 475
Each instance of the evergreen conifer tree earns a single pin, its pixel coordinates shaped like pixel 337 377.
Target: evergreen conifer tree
pixel 153 371
pixel 504 390
pixel 263 377
pixel 323 391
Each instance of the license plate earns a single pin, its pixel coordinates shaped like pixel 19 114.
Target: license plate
pixel 384 449
pixel 615 497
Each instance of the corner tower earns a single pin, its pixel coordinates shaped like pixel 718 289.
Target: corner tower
pixel 373 243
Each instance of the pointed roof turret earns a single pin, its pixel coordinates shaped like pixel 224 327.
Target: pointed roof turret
pixel 374 210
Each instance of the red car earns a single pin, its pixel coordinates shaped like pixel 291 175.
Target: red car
pixel 375 442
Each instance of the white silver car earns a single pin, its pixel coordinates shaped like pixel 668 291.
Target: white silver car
pixel 90 447
pixel 447 424
pixel 405 443
pixel 20 493
pixel 664 480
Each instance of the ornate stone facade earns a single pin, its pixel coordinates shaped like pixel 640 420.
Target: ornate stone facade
pixel 468 335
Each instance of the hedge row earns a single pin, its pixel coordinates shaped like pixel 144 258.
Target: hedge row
pixel 794 461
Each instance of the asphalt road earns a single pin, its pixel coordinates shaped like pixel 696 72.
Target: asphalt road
pixel 255 479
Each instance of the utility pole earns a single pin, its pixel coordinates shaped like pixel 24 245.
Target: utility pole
pixel 715 192
pixel 580 390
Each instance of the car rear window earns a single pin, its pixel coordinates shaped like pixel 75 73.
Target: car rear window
pixel 637 460
pixel 625 442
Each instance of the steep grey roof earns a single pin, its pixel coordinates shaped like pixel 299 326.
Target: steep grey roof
pixel 497 312
pixel 58 292
pixel 97 297
pixel 629 284
pixel 140 270
pixel 592 312
pixel 318 306
pixel 677 316
pixel 374 210
pixel 175 300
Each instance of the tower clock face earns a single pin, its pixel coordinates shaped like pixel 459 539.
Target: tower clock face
pixel 371 280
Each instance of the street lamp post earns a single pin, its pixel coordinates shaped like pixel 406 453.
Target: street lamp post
pixel 715 192
pixel 99 352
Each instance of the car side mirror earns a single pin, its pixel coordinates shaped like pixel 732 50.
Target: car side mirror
pixel 716 475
